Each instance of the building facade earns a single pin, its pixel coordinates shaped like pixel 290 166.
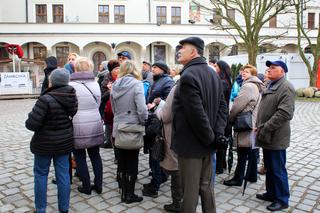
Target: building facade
pixel 149 29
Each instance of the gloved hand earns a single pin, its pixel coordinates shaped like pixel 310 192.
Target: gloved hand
pixel 221 142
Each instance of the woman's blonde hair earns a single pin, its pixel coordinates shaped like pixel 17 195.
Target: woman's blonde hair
pixel 128 67
pixel 83 64
pixel 73 54
pixel 253 69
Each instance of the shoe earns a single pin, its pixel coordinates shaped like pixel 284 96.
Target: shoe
pixel 132 198
pixel 130 186
pixel 163 180
pixel 264 197
pixel 97 189
pixel 147 185
pixel 252 180
pixel 173 207
pixel 54 181
pixel 64 211
pixel 150 192
pixel 84 190
pixel 232 182
pixel 277 206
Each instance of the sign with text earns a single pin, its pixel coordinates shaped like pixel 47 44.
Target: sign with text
pixel 15 83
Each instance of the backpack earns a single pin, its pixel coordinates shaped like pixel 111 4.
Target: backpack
pixel 146 87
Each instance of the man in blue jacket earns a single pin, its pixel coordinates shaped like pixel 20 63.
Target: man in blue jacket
pixel 199 118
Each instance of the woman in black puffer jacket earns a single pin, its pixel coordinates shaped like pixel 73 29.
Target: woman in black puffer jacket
pixel 50 119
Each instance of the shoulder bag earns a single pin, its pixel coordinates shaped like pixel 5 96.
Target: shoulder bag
pixel 129 136
pixel 243 121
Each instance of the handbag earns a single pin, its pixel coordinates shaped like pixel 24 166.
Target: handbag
pixel 158 147
pixel 129 136
pixel 243 122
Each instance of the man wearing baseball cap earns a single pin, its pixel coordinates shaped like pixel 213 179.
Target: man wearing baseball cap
pixel 123 55
pixel 273 134
pixel 199 117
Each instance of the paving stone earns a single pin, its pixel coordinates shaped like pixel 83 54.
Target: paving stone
pixel 17 188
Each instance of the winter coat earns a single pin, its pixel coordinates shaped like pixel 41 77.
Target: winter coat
pixel 147 75
pixel 274 115
pixel 52 64
pixel 128 102
pixel 236 88
pixel 101 76
pixel 50 119
pixel 248 99
pixel 87 123
pixel 161 87
pixel 170 161
pixel 199 110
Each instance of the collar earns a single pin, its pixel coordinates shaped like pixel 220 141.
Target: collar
pixel 198 60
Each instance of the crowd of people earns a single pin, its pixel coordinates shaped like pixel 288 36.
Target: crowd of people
pixel 193 112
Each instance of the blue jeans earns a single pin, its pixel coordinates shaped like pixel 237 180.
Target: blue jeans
pixel 277 185
pixel 41 169
pixel 214 165
pixel 82 167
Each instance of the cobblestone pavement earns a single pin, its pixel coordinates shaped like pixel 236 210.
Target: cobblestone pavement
pixel 16 176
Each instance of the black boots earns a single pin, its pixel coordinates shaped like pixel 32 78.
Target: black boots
pixel 127 193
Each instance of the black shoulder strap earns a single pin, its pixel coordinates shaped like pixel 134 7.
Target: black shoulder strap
pixel 95 98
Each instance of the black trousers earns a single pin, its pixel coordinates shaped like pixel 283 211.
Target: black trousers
pixel 246 154
pixel 128 161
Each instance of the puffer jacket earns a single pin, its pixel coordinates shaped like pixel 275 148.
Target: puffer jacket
pixel 248 99
pixel 87 123
pixel 128 102
pixel 50 119
pixel 161 87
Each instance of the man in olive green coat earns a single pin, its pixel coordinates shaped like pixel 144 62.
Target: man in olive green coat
pixel 273 134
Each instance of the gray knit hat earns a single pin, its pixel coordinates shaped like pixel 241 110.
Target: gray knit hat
pixel 59 77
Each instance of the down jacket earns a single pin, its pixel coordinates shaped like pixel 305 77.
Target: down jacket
pixel 248 99
pixel 87 123
pixel 50 121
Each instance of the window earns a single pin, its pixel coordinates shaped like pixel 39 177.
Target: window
pixel 234 50
pixel 273 22
pixel 103 13
pixel 231 13
pixel 175 15
pixel 214 52
pixel 57 12
pixel 311 21
pixel 39 53
pixel 216 19
pixel 161 15
pixel 119 17
pixel 62 55
pixel 41 13
pixel 3 53
pixel 194 12
pixel 159 53
pixel 262 49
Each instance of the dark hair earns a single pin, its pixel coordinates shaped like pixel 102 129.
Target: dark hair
pixel 113 64
pixel 213 60
pixel 225 71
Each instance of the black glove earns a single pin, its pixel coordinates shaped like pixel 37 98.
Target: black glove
pixel 221 142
